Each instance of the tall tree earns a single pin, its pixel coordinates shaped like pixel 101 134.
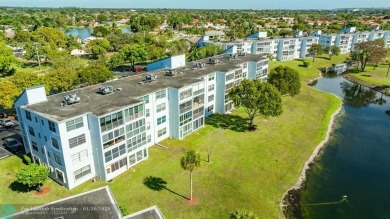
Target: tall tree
pixel 61 79
pixel 315 50
pixel 285 79
pixel 369 52
pixel 24 80
pixel 257 98
pixel 96 72
pixel 33 175
pixel 190 161
pixel 100 31
pixel 332 50
pixel 8 94
pixel 133 54
pixel 99 47
pixel 6 59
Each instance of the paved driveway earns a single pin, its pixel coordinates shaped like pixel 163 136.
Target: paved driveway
pixel 13 132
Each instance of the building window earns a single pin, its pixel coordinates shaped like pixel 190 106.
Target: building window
pixel 60 175
pixel 132 160
pixel 36 119
pixel 145 98
pixel 112 121
pixel 211 87
pixel 160 94
pixel 74 124
pixel 34 146
pixel 82 172
pixel 211 77
pixel 185 118
pixel 57 159
pixel 117 165
pixel 161 132
pixel 79 157
pixel 113 137
pixel 78 140
pixel 114 153
pixel 136 142
pixel 42 122
pixel 147 112
pixel 210 98
pixel 31 131
pixel 135 128
pixel 229 77
pixel 161 120
pixel 185 107
pixel 139 155
pixel 160 107
pixel 54 143
pixel 28 115
pixel 52 126
pixel 134 112
pixel 185 94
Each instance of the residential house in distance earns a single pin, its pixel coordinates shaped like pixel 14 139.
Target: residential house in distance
pixel 105 129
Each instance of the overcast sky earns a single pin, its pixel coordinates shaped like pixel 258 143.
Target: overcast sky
pixel 206 4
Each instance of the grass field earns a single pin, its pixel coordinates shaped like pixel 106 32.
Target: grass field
pixel 372 75
pixel 248 170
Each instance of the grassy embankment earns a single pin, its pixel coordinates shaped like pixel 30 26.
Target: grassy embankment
pixel 248 170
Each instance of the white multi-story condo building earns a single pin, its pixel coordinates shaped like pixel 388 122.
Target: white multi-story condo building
pixel 105 129
pixel 288 48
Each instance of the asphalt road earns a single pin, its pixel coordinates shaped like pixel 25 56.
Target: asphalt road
pixel 13 132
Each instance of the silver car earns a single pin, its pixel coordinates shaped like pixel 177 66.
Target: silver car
pixel 6 122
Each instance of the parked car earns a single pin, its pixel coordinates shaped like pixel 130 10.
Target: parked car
pixel 6 122
pixel 13 145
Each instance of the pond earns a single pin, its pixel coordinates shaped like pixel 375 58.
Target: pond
pixel 356 160
pixel 85 32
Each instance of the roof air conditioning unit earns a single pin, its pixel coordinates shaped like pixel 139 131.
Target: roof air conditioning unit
pixel 70 99
pixel 106 90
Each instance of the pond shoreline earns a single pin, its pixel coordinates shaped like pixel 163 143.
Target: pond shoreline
pixel 379 88
pixel 289 204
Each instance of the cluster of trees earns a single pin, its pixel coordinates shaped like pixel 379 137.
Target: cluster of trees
pixel 369 52
pixel 6 59
pixel 65 74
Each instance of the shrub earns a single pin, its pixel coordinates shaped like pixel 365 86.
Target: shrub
pixel 306 63
pixel 123 210
pixel 27 159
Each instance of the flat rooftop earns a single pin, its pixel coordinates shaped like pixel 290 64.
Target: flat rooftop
pixel 98 104
pixel 97 204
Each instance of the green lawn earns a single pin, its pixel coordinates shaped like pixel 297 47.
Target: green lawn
pixel 249 170
pixel 372 75
pixel 31 67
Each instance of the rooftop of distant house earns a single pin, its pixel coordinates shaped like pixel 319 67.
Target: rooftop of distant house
pixel 128 90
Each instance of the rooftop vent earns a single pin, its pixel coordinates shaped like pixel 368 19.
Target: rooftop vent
pixel 200 65
pixel 242 53
pixel 214 61
pixel 148 79
pixel 233 56
pixel 70 99
pixel 106 90
pixel 171 72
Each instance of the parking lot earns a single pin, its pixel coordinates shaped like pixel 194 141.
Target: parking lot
pixel 13 132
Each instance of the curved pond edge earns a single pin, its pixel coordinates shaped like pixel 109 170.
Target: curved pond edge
pixel 289 205
pixel 379 88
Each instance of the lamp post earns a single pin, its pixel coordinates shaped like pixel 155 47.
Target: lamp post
pixel 36 50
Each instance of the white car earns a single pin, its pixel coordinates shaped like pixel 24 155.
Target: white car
pixel 6 122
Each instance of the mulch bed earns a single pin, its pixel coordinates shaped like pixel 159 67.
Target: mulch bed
pixel 191 202
pixel 45 190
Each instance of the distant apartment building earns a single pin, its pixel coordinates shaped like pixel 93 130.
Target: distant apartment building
pixel 288 48
pixel 105 129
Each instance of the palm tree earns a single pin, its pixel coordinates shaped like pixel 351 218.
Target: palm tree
pixel 388 69
pixel 190 161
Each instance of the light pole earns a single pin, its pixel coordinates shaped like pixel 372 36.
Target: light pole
pixel 36 50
